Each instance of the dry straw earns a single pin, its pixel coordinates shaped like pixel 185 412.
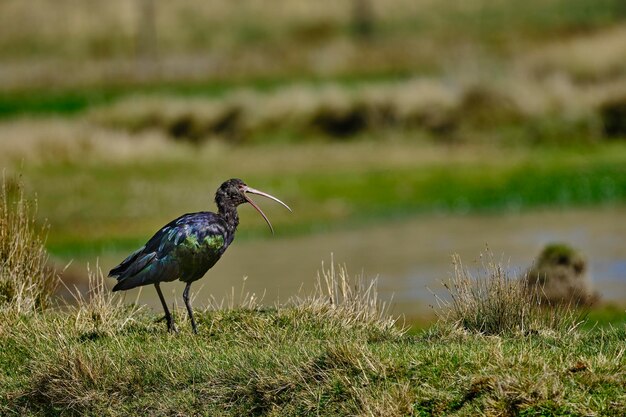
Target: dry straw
pixel 352 300
pixel 100 311
pixel 496 303
pixel 27 282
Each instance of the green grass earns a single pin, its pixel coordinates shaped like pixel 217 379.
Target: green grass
pixel 334 352
pixel 96 206
pixel 409 37
pixel 609 315
pixel 41 102
pixel 295 361
pixel 194 26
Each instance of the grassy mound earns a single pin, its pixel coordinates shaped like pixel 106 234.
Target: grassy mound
pixel 560 276
pixel 303 361
pixel 333 353
pixel 536 109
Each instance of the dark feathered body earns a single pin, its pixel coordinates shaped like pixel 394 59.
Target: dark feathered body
pixel 185 249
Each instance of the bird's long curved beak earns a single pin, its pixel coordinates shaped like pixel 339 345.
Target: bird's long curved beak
pixel 252 203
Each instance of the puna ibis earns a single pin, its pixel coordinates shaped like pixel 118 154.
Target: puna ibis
pixel 187 247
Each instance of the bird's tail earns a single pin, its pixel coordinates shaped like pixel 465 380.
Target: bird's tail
pixel 127 263
pixel 131 268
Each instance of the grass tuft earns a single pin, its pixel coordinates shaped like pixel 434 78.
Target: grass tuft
pixel 27 282
pixel 351 300
pixel 100 312
pixel 304 358
pixel 495 303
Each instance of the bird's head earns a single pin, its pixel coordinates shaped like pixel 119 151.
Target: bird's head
pixel 235 192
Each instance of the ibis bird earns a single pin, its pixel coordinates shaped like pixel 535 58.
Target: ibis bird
pixel 187 247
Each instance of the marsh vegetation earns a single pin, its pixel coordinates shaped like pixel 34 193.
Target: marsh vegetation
pixel 436 124
pixel 495 349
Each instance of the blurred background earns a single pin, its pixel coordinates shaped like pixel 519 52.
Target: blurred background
pixel 399 131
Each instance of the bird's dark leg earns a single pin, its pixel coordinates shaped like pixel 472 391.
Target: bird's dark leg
pixel 168 317
pixel 189 310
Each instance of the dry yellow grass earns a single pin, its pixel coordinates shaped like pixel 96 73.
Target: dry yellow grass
pixel 495 303
pixel 59 140
pixel 585 58
pixel 98 42
pixel 42 41
pixel 330 354
pixel 27 283
pixel 84 26
pixel 100 311
pixel 428 104
pixel 353 299
pixel 140 127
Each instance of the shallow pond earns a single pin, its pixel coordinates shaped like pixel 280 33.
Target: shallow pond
pixel 411 258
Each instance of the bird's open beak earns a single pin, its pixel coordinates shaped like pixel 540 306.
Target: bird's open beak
pixel 249 200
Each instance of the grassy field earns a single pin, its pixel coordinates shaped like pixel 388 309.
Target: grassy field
pixel 115 205
pixel 117 119
pixel 296 362
pixel 450 107
pixel 75 31
pixel 332 353
pixel 109 44
pixel 495 350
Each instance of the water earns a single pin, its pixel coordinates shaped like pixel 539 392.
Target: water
pixel 411 258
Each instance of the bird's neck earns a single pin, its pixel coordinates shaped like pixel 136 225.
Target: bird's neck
pixel 229 214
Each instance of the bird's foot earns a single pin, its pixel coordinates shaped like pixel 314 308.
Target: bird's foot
pixel 171 326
